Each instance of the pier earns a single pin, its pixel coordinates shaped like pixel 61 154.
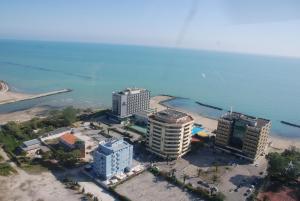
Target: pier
pixel 31 97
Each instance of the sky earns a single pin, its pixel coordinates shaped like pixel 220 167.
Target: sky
pixel 249 26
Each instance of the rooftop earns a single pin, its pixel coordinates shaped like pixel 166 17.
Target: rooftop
pixel 31 142
pixel 112 145
pixel 171 116
pixel 130 91
pixel 250 120
pixel 69 138
pixel 57 131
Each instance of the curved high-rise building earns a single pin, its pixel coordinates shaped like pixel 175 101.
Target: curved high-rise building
pixel 169 133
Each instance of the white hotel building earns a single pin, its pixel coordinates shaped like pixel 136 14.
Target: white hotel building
pixel 130 101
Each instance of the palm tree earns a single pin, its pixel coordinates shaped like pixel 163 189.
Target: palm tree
pixel 185 176
pixel 199 172
pixel 173 172
pixel 167 159
pixel 216 168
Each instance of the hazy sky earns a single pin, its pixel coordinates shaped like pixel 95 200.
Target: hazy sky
pixel 255 26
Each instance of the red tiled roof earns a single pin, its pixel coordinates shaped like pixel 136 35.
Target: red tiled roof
pixel 69 138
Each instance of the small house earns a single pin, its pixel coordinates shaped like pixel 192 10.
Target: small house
pixel 31 147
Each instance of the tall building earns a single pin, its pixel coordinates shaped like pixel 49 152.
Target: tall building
pixel 169 133
pixel 130 101
pixel 112 157
pixel 243 135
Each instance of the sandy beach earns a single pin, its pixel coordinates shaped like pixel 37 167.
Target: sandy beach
pixel 25 115
pixel 7 96
pixel 276 143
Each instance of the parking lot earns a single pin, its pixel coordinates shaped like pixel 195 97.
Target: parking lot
pixel 206 169
pixel 147 187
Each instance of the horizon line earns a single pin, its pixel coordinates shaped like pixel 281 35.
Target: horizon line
pixel 156 46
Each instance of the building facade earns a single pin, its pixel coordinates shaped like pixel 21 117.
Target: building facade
pixel 129 101
pixel 113 156
pixel 242 135
pixel 169 133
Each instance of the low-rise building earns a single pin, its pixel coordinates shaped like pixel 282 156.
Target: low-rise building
pixel 55 133
pixel 31 147
pixel 112 157
pixel 169 133
pixel 242 135
pixel 69 141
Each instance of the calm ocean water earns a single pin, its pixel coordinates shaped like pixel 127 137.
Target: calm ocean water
pixel 257 85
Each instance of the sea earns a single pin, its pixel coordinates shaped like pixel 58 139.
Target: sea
pixel 262 86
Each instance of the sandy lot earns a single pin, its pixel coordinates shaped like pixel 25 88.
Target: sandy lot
pixel 147 187
pixel 26 187
pixel 25 115
pixel 22 186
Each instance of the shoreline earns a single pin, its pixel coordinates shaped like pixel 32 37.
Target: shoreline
pixel 278 143
pixel 7 96
pixel 156 102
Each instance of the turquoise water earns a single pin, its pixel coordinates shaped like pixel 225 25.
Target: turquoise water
pixel 257 85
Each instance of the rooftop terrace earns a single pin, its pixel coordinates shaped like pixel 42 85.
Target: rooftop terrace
pixel 130 91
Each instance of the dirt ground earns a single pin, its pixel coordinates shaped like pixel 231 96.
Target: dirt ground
pixel 42 187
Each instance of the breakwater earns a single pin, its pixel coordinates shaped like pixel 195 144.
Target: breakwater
pixel 31 97
pixel 290 124
pixel 210 106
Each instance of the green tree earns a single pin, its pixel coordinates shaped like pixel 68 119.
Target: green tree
pixel 276 165
pixel 285 166
pixel 13 128
pixel 69 115
pixel 68 158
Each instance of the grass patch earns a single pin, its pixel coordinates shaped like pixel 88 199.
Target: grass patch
pixel 6 169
